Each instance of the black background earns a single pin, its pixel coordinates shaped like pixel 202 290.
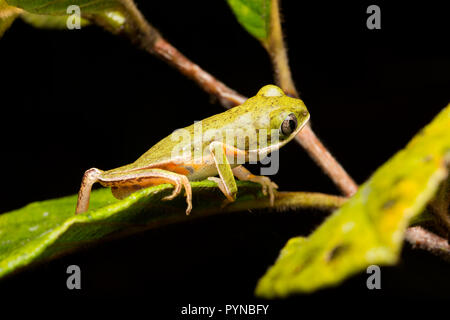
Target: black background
pixel 72 100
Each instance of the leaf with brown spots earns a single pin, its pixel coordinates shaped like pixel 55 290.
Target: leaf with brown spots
pixel 370 227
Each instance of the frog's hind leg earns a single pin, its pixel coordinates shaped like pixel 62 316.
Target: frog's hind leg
pixel 123 192
pixel 123 185
pixel 90 177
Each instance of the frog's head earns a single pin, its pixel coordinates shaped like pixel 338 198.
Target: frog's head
pixel 280 112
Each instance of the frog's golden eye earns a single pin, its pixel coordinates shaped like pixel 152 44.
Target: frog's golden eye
pixel 289 125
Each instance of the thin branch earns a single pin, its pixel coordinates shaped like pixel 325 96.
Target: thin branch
pixel 144 35
pixel 323 158
pixel 278 53
pixel 439 207
pixel 227 97
pixel 426 240
pixel 291 200
pixel 306 138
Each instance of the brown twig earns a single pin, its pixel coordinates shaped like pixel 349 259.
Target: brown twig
pixel 323 158
pixel 426 240
pixel 144 35
pixel 306 138
pixel 439 207
pixel 277 50
pixel 227 97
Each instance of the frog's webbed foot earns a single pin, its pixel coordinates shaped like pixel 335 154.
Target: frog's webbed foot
pixel 176 192
pixel 268 186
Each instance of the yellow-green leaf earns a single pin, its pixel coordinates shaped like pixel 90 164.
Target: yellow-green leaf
pixel 369 228
pixel 254 16
pixel 59 7
pixel 42 230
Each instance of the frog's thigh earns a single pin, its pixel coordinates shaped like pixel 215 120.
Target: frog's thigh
pixel 125 184
pixel 219 152
pixel 267 185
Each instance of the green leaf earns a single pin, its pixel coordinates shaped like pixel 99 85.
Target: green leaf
pixel 369 228
pixel 51 14
pixel 48 22
pixel 254 16
pixel 59 7
pixel 43 230
pixel 7 16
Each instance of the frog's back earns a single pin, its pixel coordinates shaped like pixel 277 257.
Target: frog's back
pixel 247 116
pixel 214 125
pixel 160 153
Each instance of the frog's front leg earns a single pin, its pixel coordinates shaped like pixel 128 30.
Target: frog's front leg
pixel 226 182
pixel 267 185
pixel 133 180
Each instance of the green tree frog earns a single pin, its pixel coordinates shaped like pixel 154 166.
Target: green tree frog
pixel 263 124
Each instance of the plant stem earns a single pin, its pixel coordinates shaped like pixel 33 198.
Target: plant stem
pixel 423 239
pixel 323 158
pixel 144 35
pixel 306 138
pixel 276 48
pixel 291 200
pixel 439 207
pixel 206 81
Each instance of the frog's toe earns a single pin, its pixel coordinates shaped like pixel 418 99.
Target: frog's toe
pixel 189 207
pixel 178 183
pixel 188 189
pixel 272 194
pixel 264 189
pixel 176 192
pixel 268 187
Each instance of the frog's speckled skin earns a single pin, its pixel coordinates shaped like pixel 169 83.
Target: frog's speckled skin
pixel 266 110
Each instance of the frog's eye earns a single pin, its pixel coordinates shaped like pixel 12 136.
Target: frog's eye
pixel 289 125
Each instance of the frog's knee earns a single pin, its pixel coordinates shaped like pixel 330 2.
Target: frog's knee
pixel 92 174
